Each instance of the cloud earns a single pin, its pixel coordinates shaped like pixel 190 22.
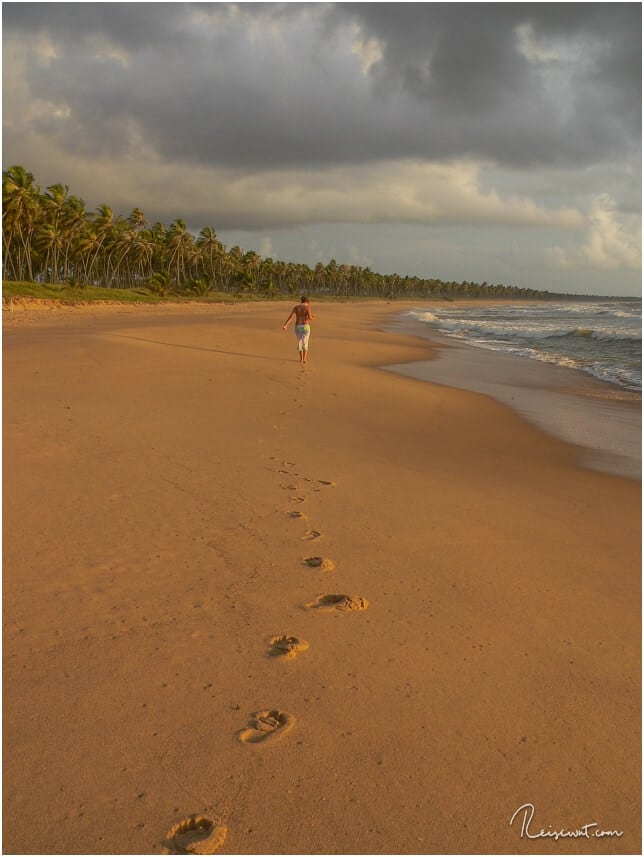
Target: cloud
pixel 535 83
pixel 369 51
pixel 269 85
pixel 612 241
pixel 411 192
pixel 533 49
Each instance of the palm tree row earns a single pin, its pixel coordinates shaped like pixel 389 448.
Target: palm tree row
pixel 51 237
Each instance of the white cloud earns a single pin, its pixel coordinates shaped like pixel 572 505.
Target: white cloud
pixel 369 51
pixel 110 53
pixel 533 49
pixel 613 241
pixel 45 49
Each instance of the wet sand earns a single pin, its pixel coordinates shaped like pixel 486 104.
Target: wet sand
pixel 175 644
pixel 603 421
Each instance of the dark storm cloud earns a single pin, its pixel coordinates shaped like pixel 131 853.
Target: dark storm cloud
pixel 469 47
pixel 463 61
pixel 200 87
pixel 266 85
pixel 132 25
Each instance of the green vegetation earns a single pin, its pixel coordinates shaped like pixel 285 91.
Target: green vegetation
pixel 54 247
pixel 89 294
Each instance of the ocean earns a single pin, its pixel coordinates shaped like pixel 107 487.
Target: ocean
pixel 600 338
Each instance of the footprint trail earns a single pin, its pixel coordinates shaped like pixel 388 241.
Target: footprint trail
pixel 343 603
pixel 287 647
pixel 268 727
pixel 322 562
pixel 195 835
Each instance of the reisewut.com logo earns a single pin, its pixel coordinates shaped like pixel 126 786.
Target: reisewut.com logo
pixel 590 830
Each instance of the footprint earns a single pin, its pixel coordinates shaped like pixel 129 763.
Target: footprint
pixel 268 727
pixel 296 499
pixel 296 514
pixel 195 835
pixel 310 535
pixel 286 487
pixel 287 647
pixel 320 561
pixel 325 482
pixel 338 602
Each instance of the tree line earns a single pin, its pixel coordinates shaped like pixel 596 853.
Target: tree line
pixel 50 237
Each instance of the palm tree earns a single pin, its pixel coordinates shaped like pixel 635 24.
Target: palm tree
pixel 266 273
pixel 74 222
pixel 136 220
pixel 50 242
pixel 131 247
pixel 180 246
pixel 110 251
pixel 144 253
pixel 160 283
pixel 101 220
pixel 211 251
pixel 157 236
pixel 20 215
pixel 126 245
pixel 251 263
pixel 51 237
pixel 232 264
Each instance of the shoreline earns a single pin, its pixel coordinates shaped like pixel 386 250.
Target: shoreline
pixel 600 419
pixel 172 472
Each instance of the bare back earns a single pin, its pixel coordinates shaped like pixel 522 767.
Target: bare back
pixel 302 314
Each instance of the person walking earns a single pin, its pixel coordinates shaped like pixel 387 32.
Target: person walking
pixel 303 314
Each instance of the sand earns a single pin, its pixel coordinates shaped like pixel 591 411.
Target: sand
pixel 472 646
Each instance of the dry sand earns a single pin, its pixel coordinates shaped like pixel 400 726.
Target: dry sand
pixel 154 463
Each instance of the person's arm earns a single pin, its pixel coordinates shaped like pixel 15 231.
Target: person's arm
pixel 311 313
pixel 288 319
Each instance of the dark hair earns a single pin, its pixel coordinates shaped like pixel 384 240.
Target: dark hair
pixel 304 299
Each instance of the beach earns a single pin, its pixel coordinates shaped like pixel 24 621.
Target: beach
pixel 167 473
pixel 602 420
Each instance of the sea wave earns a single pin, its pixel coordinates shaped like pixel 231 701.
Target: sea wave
pixel 603 335
pixel 423 316
pixel 603 339
pixel 512 331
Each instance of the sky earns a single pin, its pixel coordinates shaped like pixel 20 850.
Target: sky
pixel 486 142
